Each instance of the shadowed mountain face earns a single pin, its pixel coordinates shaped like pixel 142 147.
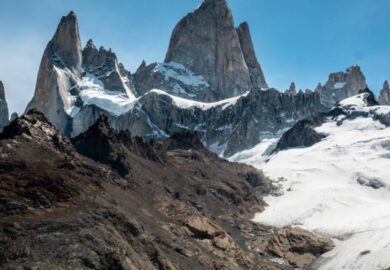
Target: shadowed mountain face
pixel 132 205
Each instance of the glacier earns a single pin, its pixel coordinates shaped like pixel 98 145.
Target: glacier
pixel 322 189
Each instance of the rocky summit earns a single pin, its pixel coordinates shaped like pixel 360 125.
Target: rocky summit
pixel 108 201
pixel 4 115
pixel 341 85
pixel 218 55
pixel 384 95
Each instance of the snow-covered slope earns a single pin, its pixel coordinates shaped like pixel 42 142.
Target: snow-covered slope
pixel 339 187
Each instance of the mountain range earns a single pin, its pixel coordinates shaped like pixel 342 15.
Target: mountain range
pixel 128 170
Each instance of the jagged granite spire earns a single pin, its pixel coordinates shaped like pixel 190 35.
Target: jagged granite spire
pixel 255 72
pixel 206 42
pixel 318 88
pixel 3 108
pixel 384 95
pixel 66 41
pixel 104 65
pixel 292 89
pixel 56 88
pixel 341 85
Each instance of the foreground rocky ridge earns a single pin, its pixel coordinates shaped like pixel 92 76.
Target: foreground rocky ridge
pixel 133 205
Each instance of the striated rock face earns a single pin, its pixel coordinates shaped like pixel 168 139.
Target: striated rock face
pixel 226 127
pixel 56 87
pixel 255 72
pixel 3 108
pixel 206 42
pixel 384 96
pixel 341 85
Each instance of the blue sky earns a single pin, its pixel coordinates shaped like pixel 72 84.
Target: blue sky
pixel 301 40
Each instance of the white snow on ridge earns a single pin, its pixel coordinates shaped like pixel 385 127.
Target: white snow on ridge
pixel 187 103
pixel 92 92
pixel 179 72
pixel 339 85
pixel 321 192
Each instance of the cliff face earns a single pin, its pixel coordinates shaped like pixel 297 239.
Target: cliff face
pixel 67 75
pixel 217 55
pixel 341 85
pixel 56 88
pixel 255 72
pixel 4 115
pixel 384 95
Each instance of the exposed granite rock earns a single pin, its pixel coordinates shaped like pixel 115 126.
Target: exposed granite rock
pixel 384 96
pixel 341 85
pixel 256 116
pixel 217 55
pixel 56 87
pixel 255 72
pixel 4 116
pixel 303 133
pixel 292 89
pixel 369 181
pixel 299 247
pixel 175 79
pixel 103 64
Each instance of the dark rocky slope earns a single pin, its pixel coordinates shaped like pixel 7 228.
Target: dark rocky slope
pixel 133 205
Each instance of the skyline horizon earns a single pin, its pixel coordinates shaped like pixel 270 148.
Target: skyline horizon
pixel 131 59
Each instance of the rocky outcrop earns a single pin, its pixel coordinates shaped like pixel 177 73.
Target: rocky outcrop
pixel 56 88
pixel 342 85
pixel 255 72
pixel 175 79
pixel 291 90
pixel 217 55
pixel 103 64
pixel 4 116
pixel 299 247
pixel 384 96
